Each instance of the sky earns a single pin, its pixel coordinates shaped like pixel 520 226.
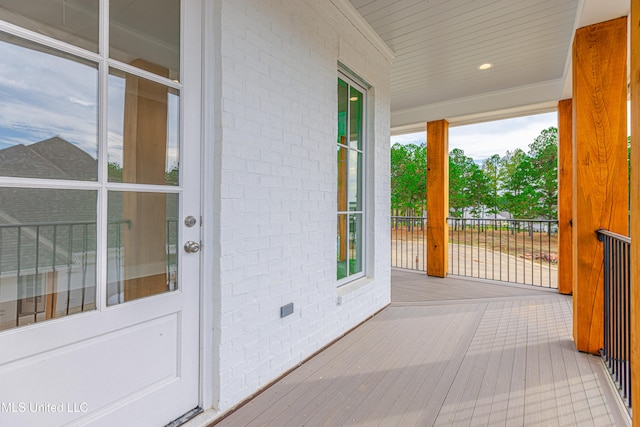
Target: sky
pixel 43 95
pixel 482 140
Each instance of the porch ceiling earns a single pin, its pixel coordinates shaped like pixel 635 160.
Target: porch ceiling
pixel 439 44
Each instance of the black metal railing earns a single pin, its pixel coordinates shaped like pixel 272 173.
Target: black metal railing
pixel 48 270
pixel 408 242
pixel 617 310
pixel 34 256
pixel 509 250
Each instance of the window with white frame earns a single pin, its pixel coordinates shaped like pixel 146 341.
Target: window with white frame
pixel 350 156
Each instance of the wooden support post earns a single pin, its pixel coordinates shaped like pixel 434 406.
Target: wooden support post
pixel 635 207
pixel 565 197
pixel 600 195
pixel 144 160
pixel 437 198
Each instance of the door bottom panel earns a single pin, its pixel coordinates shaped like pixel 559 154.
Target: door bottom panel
pixel 90 377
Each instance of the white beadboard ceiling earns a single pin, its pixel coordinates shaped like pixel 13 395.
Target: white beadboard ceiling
pixel 438 45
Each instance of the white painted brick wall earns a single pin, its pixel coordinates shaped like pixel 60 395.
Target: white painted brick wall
pixel 278 180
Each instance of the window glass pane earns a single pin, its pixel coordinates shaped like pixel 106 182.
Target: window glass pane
pixel 355 243
pixel 48 113
pixel 72 21
pixel 355 119
pixel 355 181
pixel 142 240
pixel 350 181
pixel 342 243
pixel 342 178
pixel 146 34
pixel 144 125
pixel 343 104
pixel 47 254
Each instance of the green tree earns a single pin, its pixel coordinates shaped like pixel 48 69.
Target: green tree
pixel 478 187
pixel 115 172
pixel 462 183
pixel 408 177
pixel 491 171
pixel 523 184
pixel 519 191
pixel 171 176
pixel 543 152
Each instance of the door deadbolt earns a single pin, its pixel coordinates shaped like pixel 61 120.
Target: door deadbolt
pixel 191 247
pixel 190 221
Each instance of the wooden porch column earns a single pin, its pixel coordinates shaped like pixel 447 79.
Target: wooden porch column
pixel 600 196
pixel 635 207
pixel 565 197
pixel 437 198
pixel 144 158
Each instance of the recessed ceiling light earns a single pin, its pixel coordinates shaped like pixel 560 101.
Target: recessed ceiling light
pixel 485 66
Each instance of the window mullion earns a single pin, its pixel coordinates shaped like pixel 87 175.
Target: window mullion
pixel 347 192
pixel 103 159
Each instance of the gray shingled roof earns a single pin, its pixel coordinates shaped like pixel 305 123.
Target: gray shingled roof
pixel 53 158
pixel 58 241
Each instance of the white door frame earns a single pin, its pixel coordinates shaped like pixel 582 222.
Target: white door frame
pixel 210 295
pixel 49 343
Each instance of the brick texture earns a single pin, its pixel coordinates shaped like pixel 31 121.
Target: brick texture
pixel 277 188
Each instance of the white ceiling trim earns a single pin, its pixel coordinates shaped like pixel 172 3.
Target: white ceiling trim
pixel 514 102
pixel 472 119
pixel 364 28
pixel 591 12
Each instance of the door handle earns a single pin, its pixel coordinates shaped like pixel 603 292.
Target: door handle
pixel 191 247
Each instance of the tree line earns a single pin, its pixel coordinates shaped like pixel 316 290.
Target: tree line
pixel 523 184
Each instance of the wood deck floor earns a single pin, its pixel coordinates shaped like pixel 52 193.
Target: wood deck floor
pixel 447 352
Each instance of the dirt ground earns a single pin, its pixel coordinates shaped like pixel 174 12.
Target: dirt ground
pixel 512 242
pixel 505 255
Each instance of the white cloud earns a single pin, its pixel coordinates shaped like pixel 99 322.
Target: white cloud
pixel 485 139
pixel 482 140
pixel 81 102
pixel 44 95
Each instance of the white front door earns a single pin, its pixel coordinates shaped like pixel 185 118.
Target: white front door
pixel 99 211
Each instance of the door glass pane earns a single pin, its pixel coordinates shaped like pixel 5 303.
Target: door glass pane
pixel 143 131
pixel 355 119
pixel 355 180
pixel 146 34
pixel 72 21
pixel 142 242
pixel 47 254
pixel 342 242
pixel 48 113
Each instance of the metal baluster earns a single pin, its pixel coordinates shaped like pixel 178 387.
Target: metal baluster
pixel 84 264
pixel 36 282
pixel 607 306
pixel 18 285
pixel 54 308
pixel 70 254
